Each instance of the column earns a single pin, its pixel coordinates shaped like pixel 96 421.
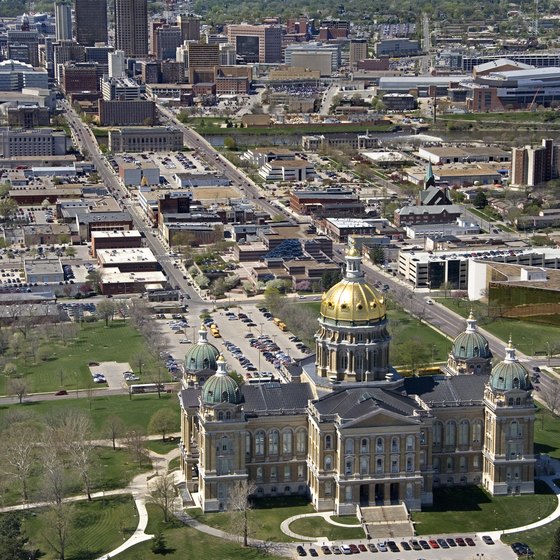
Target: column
pixel 387 493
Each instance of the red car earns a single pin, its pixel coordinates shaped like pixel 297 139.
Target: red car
pixel 60 393
pixel 460 541
pixel 354 549
pixel 469 541
pixel 433 543
pixel 362 547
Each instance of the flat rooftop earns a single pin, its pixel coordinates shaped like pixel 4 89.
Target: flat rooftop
pixel 117 234
pixel 121 256
pixel 144 277
pixel 43 266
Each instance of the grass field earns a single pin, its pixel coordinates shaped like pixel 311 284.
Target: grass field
pixel 162 447
pixel 470 509
pixel 529 337
pixel 113 470
pixel 319 527
pixel 98 527
pixel 264 519
pixel 510 117
pixel 547 433
pixel 135 412
pixel 68 367
pixel 184 543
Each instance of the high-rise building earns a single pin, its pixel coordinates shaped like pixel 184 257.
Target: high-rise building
pixel 91 21
pixel 256 43
pixel 63 20
pixel 190 27
pixel 166 40
pixel 531 166
pixel 116 64
pixel 131 27
pixel 358 51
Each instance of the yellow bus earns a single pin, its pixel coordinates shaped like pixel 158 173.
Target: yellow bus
pixel 277 321
pixel 282 326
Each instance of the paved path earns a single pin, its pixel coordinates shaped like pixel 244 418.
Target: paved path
pixel 285 526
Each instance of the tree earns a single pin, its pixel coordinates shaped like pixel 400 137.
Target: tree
pixel 329 278
pixel 58 522
pixel 377 255
pixel 95 278
pixel 12 540
pixel 412 354
pixel 551 396
pixel 159 546
pixel 480 199
pixel 10 369
pixel 163 421
pixel 8 209
pixel 136 443
pixel 18 454
pixel 17 387
pixel 446 288
pixel 554 553
pixel 106 310
pixel 239 504
pixel 70 252
pixel 114 428
pixel 162 494
pixel 230 143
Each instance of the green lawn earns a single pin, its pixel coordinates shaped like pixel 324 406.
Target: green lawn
pixel 509 117
pixel 529 337
pixel 318 527
pixel 483 215
pixel 163 447
pixel 547 433
pixel 345 519
pixel 113 470
pixel 540 540
pixel 184 543
pixel 174 463
pixel 264 519
pixel 98 527
pixel 472 510
pixel 68 367
pixel 134 412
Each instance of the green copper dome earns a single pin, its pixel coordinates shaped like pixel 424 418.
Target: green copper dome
pixel 220 387
pixel 471 344
pixel 510 374
pixel 202 355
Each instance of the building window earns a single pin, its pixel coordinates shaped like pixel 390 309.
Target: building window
pixel 260 473
pixel 436 464
pixel 379 445
pixel 364 465
pixel 462 464
pixel 247 444
pixel 410 443
pixel 301 441
pixel 259 443
pixel 464 432
pixel 450 431
pixel 220 415
pixel 477 432
pixel 364 446
pixel 273 439
pixel 348 466
pixel 287 442
pixel 515 429
pixel 328 462
pixel 273 473
pixel 301 472
pixel 410 464
pixel 287 473
pixel 394 464
pixel 476 462
pixel 422 438
pixel 349 446
pixel 349 493
pixel 379 466
pixel 328 442
pixel 328 488
pixel 449 464
pixel 395 445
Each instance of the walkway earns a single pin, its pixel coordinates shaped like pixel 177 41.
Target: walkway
pixel 285 526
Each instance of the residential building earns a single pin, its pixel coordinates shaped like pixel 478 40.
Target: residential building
pixel 131 27
pixel 91 21
pixel 532 166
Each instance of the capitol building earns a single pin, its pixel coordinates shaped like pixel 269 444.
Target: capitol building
pixel 347 429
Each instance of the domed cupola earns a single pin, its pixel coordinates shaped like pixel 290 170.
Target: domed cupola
pixel 352 300
pixel 203 354
pixel 510 374
pixel 352 343
pixel 470 343
pixel 221 388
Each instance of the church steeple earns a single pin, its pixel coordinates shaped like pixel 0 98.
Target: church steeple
pixel 429 178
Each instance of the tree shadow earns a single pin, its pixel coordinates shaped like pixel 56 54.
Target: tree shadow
pixel 467 498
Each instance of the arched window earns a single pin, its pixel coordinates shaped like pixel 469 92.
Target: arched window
pixel 410 443
pixel 260 473
pixel 328 462
pixel 518 401
pixel 364 445
pixel 464 432
pixel 450 431
pixel 410 463
pixel 301 441
pixel 436 464
pixel 379 466
pixel 259 443
pixel 438 429
pixel 477 431
pixel 449 464
pixel 395 445
pixel 394 464
pixel 348 466
pixel 379 445
pixel 349 446
pixel 220 415
pixel 287 442
pixel 273 441
pixel 328 442
pixel 364 465
pixel 462 464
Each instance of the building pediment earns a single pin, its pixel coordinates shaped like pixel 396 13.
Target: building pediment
pixel 380 418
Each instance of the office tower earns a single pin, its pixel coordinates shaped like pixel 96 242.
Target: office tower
pixel 190 27
pixel 91 22
pixel 116 64
pixel 166 40
pixel 256 43
pixel 358 51
pixel 131 27
pixel 63 21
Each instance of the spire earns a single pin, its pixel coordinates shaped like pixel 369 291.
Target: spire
pixel 471 323
pixel 202 335
pixel 221 363
pixel 510 352
pixel 429 178
pixel 353 261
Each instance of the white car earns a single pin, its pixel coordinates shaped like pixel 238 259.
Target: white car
pixel 429 302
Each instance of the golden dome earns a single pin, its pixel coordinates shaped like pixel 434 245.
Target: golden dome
pixel 353 301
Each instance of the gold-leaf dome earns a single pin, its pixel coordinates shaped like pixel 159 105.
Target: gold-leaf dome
pixel 353 299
